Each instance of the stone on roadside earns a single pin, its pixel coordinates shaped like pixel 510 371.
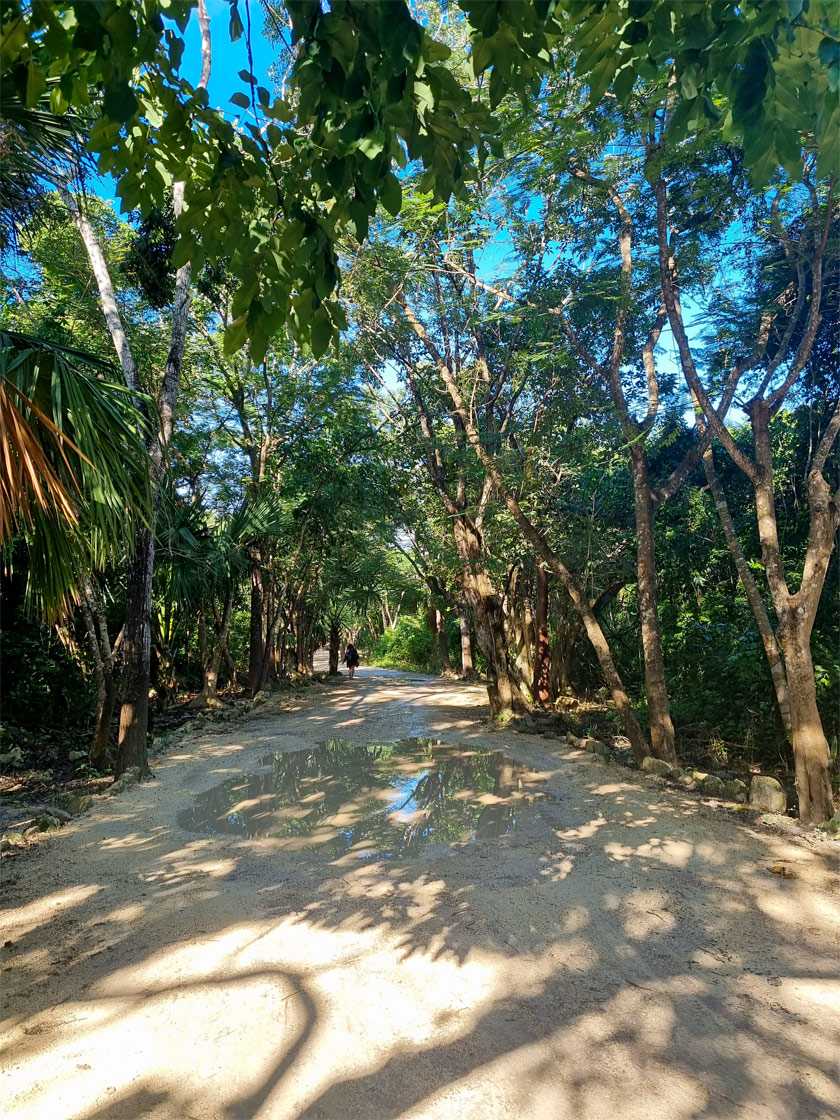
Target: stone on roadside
pixel 46 822
pixel 595 746
pixel 699 776
pixel 767 795
pixel 77 756
pixel 11 840
pixel 59 814
pixel 128 778
pixel 713 786
pixel 736 790
pixel 657 766
pixel 74 803
pixel 686 780
pixel 833 825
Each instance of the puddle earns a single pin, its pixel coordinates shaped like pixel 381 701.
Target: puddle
pixel 389 801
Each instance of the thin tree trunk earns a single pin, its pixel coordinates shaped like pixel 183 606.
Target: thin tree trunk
pixel 230 665
pixel 659 712
pixel 765 629
pixel 443 643
pixel 256 651
pixel 502 689
pixel 467 667
pixel 335 640
pixel 106 684
pixel 541 686
pixel 212 665
pixel 134 713
pixel 270 640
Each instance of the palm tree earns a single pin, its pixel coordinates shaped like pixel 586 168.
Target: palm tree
pixel 73 462
pixel 73 473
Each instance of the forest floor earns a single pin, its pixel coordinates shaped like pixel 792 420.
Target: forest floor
pixel 625 953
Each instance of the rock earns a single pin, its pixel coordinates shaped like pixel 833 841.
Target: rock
pixel 712 785
pixel 525 725
pixel 736 790
pixel 833 825
pixel 59 814
pixel 699 776
pixel 586 744
pixel 74 803
pixel 658 767
pixel 47 822
pixel 686 780
pixel 573 741
pixel 11 840
pixel 595 746
pixel 767 794
pixel 128 778
pixel 77 756
pixel 625 757
pixel 13 758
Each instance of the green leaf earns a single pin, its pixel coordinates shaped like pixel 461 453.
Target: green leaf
pixel 390 194
pixel 36 83
pixel 235 28
pixel 321 332
pixel 236 335
pixel 241 100
pixel 119 102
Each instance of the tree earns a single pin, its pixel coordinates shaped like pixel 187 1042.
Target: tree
pixel 770 386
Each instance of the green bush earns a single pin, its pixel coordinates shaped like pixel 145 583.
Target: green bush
pixel 408 646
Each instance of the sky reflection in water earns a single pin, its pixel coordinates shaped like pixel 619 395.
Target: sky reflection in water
pixel 388 801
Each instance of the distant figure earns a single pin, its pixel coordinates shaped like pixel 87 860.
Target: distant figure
pixel 351 659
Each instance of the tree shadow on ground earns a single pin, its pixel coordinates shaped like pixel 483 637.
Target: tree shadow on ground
pixel 622 956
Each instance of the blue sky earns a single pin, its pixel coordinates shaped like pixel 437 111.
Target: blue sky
pixel 228 58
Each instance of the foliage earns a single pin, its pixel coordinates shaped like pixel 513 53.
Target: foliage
pixel 410 645
pixel 74 463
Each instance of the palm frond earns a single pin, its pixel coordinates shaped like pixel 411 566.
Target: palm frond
pixel 74 478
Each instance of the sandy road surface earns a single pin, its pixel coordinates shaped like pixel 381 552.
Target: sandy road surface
pixel 627 954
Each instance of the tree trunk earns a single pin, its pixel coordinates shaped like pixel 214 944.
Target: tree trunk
pixel 796 613
pixel 502 689
pixel 137 645
pixel 659 712
pixel 256 649
pixel 443 643
pixel 106 701
pixel 519 615
pixel 541 687
pixel 335 641
pixel 810 746
pixel 268 650
pixel 765 629
pixel 467 667
pixel 213 664
pixel 102 655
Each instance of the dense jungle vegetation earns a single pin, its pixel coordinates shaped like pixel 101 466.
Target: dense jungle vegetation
pixel 500 338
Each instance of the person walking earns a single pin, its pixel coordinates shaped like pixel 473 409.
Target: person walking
pixel 351 658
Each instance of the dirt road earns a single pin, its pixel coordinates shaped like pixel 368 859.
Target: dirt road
pixel 626 953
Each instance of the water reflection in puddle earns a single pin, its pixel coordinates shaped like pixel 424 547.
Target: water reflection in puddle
pixel 389 801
